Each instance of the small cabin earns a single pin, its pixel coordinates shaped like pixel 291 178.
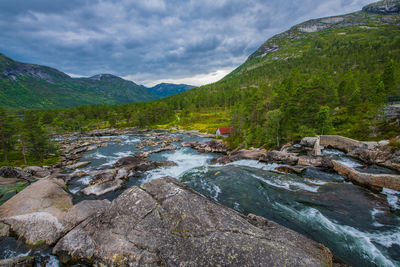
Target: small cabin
pixel 224 131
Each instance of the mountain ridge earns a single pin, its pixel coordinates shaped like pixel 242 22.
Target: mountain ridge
pixel 24 85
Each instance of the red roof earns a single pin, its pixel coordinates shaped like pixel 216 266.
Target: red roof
pixel 225 130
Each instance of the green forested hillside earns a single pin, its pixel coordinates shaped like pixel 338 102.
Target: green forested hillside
pixel 330 75
pixel 33 86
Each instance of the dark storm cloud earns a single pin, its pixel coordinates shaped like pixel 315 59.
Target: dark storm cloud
pixel 150 40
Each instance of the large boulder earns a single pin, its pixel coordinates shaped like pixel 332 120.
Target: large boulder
pixel 280 157
pixel 165 223
pixel 382 156
pixel 4 230
pixel 10 172
pixel 308 141
pixel 240 155
pixel 158 150
pixel 207 147
pixel 310 161
pixel 104 182
pixel 78 165
pixel 37 171
pixel 374 181
pixel 135 163
pixel 44 212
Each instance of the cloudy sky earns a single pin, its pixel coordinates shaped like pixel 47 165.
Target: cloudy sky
pixel 151 41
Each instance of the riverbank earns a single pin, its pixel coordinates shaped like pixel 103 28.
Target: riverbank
pixel 111 163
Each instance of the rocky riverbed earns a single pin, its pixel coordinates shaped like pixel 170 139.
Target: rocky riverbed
pixel 104 203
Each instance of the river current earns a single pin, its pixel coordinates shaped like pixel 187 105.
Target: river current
pixel 359 226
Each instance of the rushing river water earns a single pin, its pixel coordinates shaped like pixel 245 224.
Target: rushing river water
pixel 359 226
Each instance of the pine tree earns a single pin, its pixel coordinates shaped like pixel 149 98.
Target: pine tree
pixel 7 132
pixel 324 121
pixel 388 76
pixel 273 126
pixel 35 137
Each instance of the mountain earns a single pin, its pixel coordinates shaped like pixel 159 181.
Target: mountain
pixel 327 75
pixel 324 76
pixel 166 89
pixel 33 86
pixel 297 41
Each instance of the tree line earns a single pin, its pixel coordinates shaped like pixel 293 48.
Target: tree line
pixel 24 134
pixel 338 84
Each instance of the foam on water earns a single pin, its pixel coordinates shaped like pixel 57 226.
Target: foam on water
pixel 342 157
pixel 287 184
pixel 79 184
pixel 362 243
pixel 51 260
pixel 332 152
pixel 98 155
pixel 185 159
pixel 316 182
pixel 8 253
pixel 212 188
pixel 349 162
pixel 393 198
pixel 128 140
pixel 115 157
pixel 255 164
pixel 374 213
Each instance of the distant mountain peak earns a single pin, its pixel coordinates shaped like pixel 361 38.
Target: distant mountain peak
pixel 104 76
pixel 167 89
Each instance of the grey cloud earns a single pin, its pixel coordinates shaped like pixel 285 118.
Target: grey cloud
pixel 154 39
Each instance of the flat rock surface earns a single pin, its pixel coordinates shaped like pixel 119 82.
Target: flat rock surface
pixel 43 212
pixel 45 195
pixel 165 223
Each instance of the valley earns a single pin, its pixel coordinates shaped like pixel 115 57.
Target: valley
pixel 292 159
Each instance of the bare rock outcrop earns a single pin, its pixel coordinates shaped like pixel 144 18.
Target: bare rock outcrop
pixel 165 223
pixel 385 7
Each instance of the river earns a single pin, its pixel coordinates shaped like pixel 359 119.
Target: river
pixel 359 226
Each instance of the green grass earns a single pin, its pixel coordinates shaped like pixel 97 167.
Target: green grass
pixel 394 144
pixel 16 159
pixel 205 121
pixel 8 191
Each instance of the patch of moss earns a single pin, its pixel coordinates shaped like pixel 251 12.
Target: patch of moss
pixel 36 244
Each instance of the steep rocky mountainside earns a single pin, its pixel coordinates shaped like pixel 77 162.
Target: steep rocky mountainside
pixel 386 7
pixel 34 86
pixel 276 48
